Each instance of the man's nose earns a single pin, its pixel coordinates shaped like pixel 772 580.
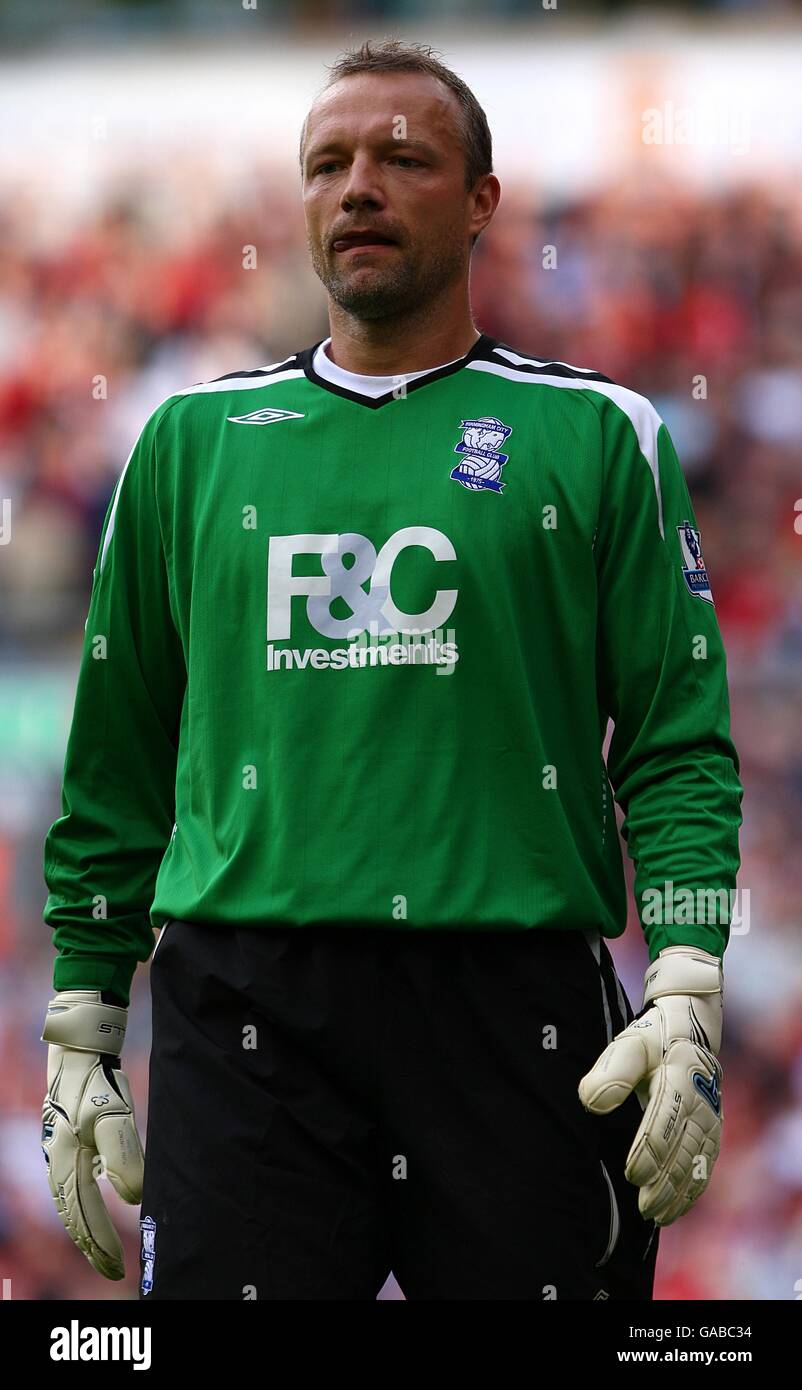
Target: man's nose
pixel 363 185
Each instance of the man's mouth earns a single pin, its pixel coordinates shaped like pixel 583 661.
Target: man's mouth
pixel 363 240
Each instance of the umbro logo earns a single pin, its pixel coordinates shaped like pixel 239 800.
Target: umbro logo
pixel 265 417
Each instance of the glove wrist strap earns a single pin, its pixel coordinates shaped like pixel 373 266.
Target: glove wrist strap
pixel 682 970
pixel 688 983
pixel 79 1019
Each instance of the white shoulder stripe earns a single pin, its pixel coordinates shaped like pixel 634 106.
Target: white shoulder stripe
pixel 518 360
pixel 271 366
pixel 243 383
pixel 110 527
pixel 234 383
pixel 644 418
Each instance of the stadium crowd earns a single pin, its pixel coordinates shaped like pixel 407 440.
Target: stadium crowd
pixel 695 300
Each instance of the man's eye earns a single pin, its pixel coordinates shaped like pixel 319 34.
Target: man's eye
pixel 405 160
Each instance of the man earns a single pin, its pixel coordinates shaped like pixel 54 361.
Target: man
pixel 358 622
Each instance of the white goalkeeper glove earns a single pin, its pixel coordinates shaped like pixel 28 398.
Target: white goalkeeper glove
pixel 88 1123
pixel 667 1055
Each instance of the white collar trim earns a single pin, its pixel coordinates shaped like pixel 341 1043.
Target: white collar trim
pixel 373 386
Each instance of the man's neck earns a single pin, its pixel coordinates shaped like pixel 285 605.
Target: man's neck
pixel 384 347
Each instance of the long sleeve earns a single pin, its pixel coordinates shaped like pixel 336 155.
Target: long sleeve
pixel 101 857
pixel 661 676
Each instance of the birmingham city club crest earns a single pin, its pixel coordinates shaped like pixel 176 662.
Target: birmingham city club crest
pixel 481 463
pixel 693 564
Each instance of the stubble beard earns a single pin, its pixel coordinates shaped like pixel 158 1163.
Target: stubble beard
pixel 390 291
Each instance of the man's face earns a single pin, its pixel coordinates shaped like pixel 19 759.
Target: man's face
pixel 388 217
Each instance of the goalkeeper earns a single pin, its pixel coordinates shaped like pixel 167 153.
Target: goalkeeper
pixel 358 624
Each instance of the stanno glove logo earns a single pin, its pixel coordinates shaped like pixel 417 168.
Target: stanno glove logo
pixel 480 469
pixel 693 567
pixel 708 1089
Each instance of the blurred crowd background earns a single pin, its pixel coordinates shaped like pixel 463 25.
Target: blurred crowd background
pixel 660 282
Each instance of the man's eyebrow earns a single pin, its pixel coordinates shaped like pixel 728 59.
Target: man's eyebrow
pixel 389 141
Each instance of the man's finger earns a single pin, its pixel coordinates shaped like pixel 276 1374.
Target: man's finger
pixel 618 1070
pixel 79 1203
pixel 104 1249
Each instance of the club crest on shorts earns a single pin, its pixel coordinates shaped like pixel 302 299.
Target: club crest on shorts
pixel 148 1228
pixel 694 566
pixel 481 463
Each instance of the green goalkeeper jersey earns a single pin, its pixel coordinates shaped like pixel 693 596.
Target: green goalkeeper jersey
pixel 351 651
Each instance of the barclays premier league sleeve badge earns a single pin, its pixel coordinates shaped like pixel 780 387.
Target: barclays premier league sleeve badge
pixel 148 1253
pixel 693 563
pixel 481 463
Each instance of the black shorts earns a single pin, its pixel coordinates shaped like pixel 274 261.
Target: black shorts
pixel 328 1105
